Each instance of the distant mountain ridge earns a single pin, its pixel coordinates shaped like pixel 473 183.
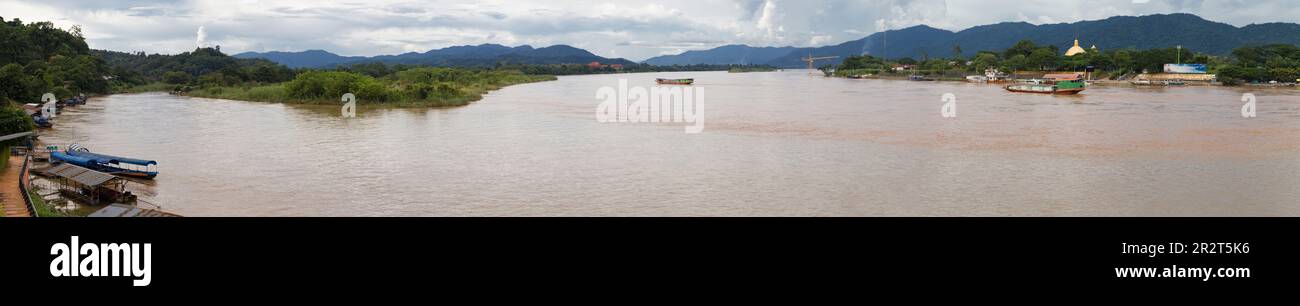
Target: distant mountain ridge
pixel 304 59
pixel 484 55
pixel 1143 32
pixel 724 55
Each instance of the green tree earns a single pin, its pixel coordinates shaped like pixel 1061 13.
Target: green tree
pixel 1043 59
pixel 176 77
pixel 1023 47
pixel 333 84
pixel 14 83
pixel 985 60
pixel 46 59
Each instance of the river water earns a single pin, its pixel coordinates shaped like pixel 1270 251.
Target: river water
pixel 773 144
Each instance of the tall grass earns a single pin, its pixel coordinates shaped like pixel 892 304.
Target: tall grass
pixel 266 93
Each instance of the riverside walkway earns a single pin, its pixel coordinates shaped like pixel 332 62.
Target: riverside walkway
pixel 11 189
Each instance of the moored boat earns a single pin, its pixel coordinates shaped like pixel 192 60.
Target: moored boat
pixel 38 118
pixel 123 166
pixel 675 81
pixel 1059 87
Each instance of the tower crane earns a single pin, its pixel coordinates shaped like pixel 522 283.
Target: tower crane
pixel 810 59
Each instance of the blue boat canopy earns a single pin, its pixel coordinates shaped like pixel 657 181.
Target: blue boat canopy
pixel 76 160
pixel 112 159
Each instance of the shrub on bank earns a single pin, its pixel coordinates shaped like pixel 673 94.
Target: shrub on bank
pixel 14 120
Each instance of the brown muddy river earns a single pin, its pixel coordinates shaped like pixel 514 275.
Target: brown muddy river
pixel 773 144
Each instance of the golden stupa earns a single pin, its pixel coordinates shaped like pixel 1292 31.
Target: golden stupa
pixel 1075 50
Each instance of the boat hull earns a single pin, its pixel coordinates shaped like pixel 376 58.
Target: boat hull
pixel 105 163
pixel 675 81
pixel 136 174
pixel 1041 89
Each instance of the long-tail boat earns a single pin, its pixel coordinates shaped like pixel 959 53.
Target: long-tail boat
pixel 123 166
pixel 675 81
pixel 1058 87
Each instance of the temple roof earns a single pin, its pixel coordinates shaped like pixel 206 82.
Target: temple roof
pixel 1075 50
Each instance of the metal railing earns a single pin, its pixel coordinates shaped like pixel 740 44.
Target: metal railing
pixel 24 182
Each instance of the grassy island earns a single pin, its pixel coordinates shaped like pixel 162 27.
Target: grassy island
pixel 751 68
pixel 416 87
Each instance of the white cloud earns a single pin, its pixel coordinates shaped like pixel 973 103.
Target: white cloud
pixel 767 19
pixel 820 40
pixel 607 28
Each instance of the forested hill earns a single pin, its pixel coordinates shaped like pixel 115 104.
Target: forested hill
pixel 485 55
pixel 207 64
pixel 36 58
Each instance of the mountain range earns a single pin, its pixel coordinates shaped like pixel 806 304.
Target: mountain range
pixel 918 42
pixel 484 55
pixel 724 55
pixel 1144 32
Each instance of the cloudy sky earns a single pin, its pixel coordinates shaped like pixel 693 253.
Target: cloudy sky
pixel 636 29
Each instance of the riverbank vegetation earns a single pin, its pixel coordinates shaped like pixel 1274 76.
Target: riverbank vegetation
pixel 45 210
pixel 583 69
pixel 751 68
pixel 415 87
pixel 1251 64
pixel 208 73
pixel 1279 63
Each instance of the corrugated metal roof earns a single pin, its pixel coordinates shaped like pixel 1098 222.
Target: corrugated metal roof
pixel 80 175
pixel 123 210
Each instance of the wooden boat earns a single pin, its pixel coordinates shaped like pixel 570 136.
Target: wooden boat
pixel 74 101
pixel 1059 87
pixel 1175 83
pixel 122 166
pixel 34 110
pixel 919 78
pixel 675 81
pixel 42 122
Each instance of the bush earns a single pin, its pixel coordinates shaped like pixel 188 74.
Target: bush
pixel 14 120
pixel 317 85
pixel 273 93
